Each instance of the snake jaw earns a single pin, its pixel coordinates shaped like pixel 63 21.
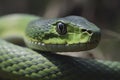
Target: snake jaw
pixel 61 47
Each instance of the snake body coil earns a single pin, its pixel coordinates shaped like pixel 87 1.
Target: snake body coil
pixel 20 63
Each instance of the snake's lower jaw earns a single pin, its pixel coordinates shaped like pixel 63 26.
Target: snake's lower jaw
pixel 61 47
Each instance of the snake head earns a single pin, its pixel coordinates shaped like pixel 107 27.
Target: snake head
pixel 72 33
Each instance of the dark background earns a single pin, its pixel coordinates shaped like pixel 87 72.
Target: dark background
pixel 104 13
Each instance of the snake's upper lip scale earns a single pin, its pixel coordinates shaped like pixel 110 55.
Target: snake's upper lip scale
pixel 94 38
pixel 62 47
pixel 39 43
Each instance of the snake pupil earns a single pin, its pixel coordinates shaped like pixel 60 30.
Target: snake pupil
pixel 61 28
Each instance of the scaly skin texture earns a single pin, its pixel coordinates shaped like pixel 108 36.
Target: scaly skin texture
pixel 17 63
pixel 20 63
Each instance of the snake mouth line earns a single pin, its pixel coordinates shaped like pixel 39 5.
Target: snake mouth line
pixel 61 47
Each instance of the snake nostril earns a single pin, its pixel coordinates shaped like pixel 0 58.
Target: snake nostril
pixel 89 31
pixel 83 30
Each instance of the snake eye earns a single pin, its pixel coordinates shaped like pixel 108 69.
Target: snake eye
pixel 61 28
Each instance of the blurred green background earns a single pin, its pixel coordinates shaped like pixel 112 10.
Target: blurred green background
pixel 104 13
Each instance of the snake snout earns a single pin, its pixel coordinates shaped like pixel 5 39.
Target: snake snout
pixel 95 38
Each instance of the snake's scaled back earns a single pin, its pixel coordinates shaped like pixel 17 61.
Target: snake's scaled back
pixel 22 63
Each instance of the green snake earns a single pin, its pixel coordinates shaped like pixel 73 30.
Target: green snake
pixel 46 37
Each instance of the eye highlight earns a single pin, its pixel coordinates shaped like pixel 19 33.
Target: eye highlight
pixel 61 28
